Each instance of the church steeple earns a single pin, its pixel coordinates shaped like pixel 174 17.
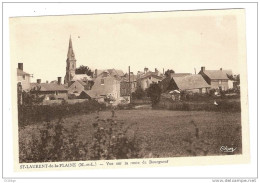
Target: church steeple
pixel 70 54
pixel 71 64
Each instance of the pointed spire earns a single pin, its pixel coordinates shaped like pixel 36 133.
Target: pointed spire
pixel 70 54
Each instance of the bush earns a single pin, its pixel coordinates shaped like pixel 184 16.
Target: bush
pixel 110 140
pixel 154 92
pixel 139 93
pixel 28 114
pixel 224 105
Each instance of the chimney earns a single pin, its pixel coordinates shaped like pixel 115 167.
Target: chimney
pixel 221 68
pixel 145 70
pixel 47 81
pixel 39 81
pixel 202 69
pixel 20 66
pixel 163 71
pixel 95 73
pixel 59 80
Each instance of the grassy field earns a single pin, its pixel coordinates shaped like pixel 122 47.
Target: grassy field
pixel 163 133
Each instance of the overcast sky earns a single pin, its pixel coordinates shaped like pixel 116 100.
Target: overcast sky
pixel 180 41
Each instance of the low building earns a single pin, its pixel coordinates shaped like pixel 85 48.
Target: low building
pixel 23 78
pixel 165 83
pixel 191 83
pixel 217 79
pixel 51 91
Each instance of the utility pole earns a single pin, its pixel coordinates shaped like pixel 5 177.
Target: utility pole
pixel 129 84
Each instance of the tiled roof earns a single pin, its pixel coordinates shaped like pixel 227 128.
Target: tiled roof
pixel 218 74
pixel 21 73
pixel 112 72
pixel 49 87
pixel 82 82
pixel 179 74
pixel 81 77
pixel 152 74
pixel 189 82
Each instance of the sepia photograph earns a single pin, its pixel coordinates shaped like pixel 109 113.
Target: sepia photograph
pixel 147 85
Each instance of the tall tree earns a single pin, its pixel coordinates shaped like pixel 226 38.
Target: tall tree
pixel 84 70
pixel 154 92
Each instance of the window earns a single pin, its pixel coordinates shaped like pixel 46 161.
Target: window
pixel 23 77
pixel 150 77
pixel 102 81
pixel 219 82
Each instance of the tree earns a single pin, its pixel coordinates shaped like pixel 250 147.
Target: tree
pixel 84 70
pixel 139 93
pixel 168 72
pixel 154 92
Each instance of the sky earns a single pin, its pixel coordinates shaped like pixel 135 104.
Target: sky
pixel 182 41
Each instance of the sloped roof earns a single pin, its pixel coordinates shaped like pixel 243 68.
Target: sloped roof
pixel 152 74
pixel 189 82
pixel 179 74
pixel 92 94
pixel 218 74
pixel 115 72
pixel 112 72
pixel 81 77
pixel 82 82
pixel 84 93
pixel 21 73
pixel 78 81
pixel 49 87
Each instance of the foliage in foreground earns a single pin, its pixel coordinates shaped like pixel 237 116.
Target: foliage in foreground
pixel 110 140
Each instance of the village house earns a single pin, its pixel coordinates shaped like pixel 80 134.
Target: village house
pixel 23 78
pixel 106 85
pixel 146 78
pixel 79 83
pixel 187 82
pixel 217 79
pixel 50 91
pixel 165 83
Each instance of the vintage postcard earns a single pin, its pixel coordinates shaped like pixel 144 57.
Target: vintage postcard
pixel 129 90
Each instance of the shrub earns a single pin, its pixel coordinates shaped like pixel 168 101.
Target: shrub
pixel 28 114
pixel 139 93
pixel 154 92
pixel 110 140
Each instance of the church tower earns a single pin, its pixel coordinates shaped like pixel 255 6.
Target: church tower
pixel 71 64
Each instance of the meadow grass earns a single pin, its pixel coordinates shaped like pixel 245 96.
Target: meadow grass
pixel 163 133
